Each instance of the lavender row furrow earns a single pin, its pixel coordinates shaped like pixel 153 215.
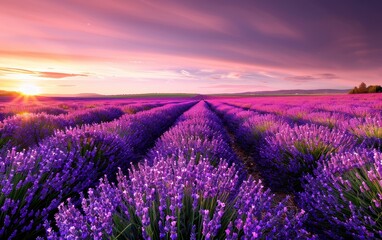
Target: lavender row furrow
pixel 250 129
pixel 89 181
pixel 199 132
pixel 284 152
pixel 334 171
pixel 35 181
pixel 179 194
pixel 349 105
pixel 27 130
pixel 365 123
pixel 366 126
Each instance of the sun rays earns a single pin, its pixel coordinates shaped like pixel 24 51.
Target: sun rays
pixel 29 90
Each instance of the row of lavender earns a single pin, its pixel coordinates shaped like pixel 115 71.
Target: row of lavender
pixel 335 173
pixel 69 106
pixel 77 108
pixel 350 105
pixel 35 181
pixel 29 129
pixel 361 117
pixel 191 186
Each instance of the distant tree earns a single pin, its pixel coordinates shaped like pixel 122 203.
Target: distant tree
pixel 372 89
pixel 354 90
pixel 363 88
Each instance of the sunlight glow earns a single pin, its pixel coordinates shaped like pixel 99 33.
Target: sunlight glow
pixel 30 89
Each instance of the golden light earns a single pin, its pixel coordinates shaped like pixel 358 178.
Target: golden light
pixel 30 89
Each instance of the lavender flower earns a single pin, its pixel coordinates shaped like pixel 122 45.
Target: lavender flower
pixel 28 129
pixel 35 182
pixel 183 196
pixel 198 132
pixel 343 197
pixel 294 152
pixel 367 129
pixel 97 222
pixel 224 206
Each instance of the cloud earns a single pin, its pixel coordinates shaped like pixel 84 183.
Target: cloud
pixel 57 75
pixel 229 75
pixel 185 73
pixel 66 85
pixel 233 75
pixel 6 71
pixel 328 76
pixel 240 87
pixel 60 75
pixel 310 78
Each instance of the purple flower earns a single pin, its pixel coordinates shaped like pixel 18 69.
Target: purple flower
pixel 345 194
pixel 184 196
pixel 294 152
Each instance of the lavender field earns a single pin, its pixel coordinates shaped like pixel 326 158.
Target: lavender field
pixel 296 167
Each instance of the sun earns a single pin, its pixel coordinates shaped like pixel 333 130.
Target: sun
pixel 30 89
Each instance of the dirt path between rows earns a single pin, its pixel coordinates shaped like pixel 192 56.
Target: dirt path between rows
pixel 252 170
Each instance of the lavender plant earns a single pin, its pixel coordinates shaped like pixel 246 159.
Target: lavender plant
pixel 4 115
pixel 179 199
pixel 34 182
pixel 252 132
pixel 28 130
pixel 295 151
pixel 97 221
pixel 23 131
pixel 96 115
pixel 184 196
pixel 343 197
pixel 61 167
pixel 326 118
pixel 142 129
pixel 249 127
pixel 137 107
pixel 198 131
pixel 49 110
pixel 368 130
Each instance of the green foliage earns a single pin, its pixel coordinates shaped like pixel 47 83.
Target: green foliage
pixel 187 217
pixel 362 88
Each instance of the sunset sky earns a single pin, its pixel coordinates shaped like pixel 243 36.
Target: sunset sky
pixel 131 46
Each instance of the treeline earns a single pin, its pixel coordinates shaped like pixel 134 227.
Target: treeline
pixel 362 88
